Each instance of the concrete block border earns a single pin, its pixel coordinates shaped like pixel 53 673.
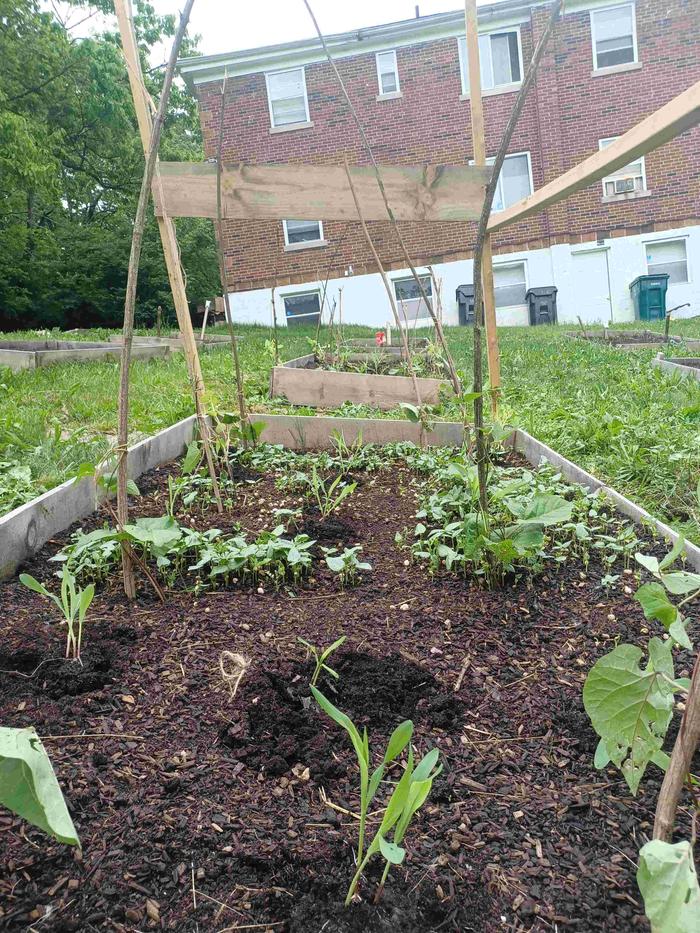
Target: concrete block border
pixel 27 528
pixel 686 367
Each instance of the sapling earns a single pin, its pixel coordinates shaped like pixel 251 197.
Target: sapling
pixel 320 657
pixel 72 603
pixel 409 794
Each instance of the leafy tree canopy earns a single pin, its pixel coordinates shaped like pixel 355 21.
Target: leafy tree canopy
pixel 71 164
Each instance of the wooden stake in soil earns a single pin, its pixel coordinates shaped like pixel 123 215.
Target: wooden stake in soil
pixel 130 300
pixel 390 214
pixel 166 227
pixel 222 273
pixel 480 436
pixel 685 746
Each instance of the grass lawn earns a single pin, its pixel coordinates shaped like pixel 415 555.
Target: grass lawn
pixel 608 410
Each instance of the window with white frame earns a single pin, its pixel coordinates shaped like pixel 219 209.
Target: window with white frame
pixel 302 308
pixel 411 306
pixel 625 180
pixel 286 95
pixel 514 182
pixel 668 256
pixel 614 36
pixel 387 73
pixel 500 58
pixel 300 232
pixel 509 285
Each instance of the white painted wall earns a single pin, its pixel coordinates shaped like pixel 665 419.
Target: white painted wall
pixel 364 300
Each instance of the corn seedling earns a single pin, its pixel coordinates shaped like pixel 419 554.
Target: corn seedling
pixel 72 603
pixel 328 496
pixel 408 796
pixel 320 657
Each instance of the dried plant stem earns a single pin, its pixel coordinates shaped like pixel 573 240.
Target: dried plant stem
pixel 480 434
pixel 380 183
pixel 686 743
pixel 222 272
pixel 130 299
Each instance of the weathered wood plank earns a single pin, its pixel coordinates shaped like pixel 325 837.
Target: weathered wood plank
pixel 321 192
pixel 675 117
pixel 321 388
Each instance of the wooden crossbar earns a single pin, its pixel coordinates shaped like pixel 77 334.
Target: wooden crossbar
pixel 321 192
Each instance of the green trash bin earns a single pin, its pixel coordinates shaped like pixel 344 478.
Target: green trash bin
pixel 649 297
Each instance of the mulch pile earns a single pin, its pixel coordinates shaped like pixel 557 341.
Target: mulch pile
pixel 197 811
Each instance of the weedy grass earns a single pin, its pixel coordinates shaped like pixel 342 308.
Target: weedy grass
pixel 609 410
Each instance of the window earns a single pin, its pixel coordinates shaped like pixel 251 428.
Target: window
pixel 514 182
pixel 407 289
pixel 668 256
pixel 286 95
pixel 509 285
pixel 302 232
pixel 303 308
pixel 625 180
pixel 387 73
pixel 614 36
pixel 500 58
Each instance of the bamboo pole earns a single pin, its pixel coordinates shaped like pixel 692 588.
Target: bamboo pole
pixel 166 228
pixel 224 283
pixel 130 298
pixel 481 236
pixel 392 219
pixel 389 291
pixel 476 108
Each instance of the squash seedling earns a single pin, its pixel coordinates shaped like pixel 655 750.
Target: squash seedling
pixel 408 796
pixel 72 603
pixel 320 657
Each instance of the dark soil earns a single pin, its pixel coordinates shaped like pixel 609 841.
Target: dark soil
pixel 199 811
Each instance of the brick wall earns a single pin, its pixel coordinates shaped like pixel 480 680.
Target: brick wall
pixel 566 114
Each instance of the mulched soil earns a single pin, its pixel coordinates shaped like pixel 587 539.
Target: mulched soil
pixel 199 811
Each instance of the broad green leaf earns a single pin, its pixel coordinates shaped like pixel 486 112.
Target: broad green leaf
pixel 647 561
pixel 132 489
pixel 656 604
pixel 681 582
pixel 336 564
pixel 391 852
pixel 601 757
pixel 669 885
pixel 410 412
pixel 673 554
pixel 161 532
pixel 33 584
pixel 192 458
pixel 678 633
pixel 28 785
pixel 630 708
pixel 541 509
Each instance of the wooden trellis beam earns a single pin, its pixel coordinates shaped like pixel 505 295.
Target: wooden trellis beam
pixel 321 192
pixel 675 117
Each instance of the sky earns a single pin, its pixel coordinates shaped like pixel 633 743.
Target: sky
pixel 226 25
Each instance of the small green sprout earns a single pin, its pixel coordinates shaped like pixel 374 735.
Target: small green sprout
pixel 408 796
pixel 346 565
pixel 73 604
pixel 320 657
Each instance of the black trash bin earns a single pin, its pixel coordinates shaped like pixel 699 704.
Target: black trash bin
pixel 465 304
pixel 542 305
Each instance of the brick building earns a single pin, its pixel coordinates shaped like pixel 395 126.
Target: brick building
pixel 606 67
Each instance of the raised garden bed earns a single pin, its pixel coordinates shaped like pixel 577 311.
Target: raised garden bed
pixel 31 354
pixel 685 366
pixel 303 381
pixel 632 340
pixel 174 341
pixel 199 810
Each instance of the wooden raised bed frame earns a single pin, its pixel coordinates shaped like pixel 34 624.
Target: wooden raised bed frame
pixel 323 388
